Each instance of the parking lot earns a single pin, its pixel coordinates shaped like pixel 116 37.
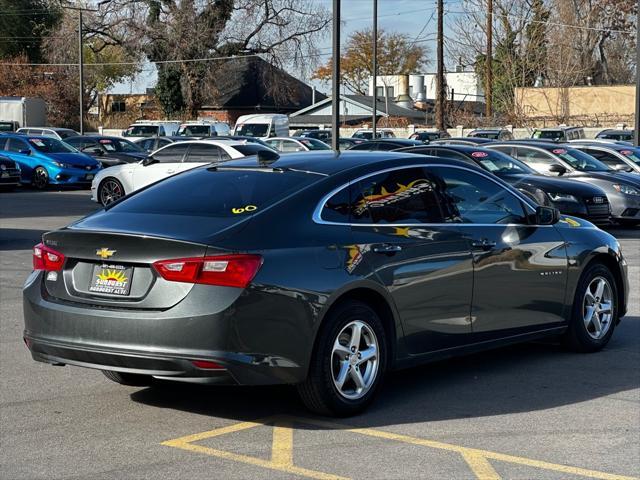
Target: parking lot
pixel 528 411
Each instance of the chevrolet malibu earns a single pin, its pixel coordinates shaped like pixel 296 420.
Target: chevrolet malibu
pixel 321 270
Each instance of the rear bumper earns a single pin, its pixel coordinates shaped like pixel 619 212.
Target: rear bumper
pixel 256 345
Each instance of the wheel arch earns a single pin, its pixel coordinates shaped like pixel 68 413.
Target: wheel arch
pixel 380 302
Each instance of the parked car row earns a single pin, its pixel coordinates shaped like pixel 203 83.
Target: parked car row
pixel 596 181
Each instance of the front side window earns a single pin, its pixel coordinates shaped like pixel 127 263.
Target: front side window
pixel 605 157
pixel 471 198
pixel 291 146
pixel 16 146
pixel 536 159
pixel 171 154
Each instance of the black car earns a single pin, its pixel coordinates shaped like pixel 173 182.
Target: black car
pixel 9 173
pixel 568 196
pixel 108 150
pixel 430 136
pixel 463 141
pixel 613 134
pixel 323 135
pixel 244 137
pixel 558 160
pixel 317 269
pixel 385 144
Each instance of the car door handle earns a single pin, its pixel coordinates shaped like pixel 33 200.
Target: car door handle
pixel 386 248
pixel 483 244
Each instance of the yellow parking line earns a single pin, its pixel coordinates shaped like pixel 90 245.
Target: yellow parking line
pixel 282 446
pixel 282 450
pixel 480 466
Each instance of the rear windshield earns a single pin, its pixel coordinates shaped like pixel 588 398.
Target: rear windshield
pixel 489 135
pixel 251 149
pixel 221 193
pixel 313 144
pixel 632 154
pixel 66 133
pixel 117 145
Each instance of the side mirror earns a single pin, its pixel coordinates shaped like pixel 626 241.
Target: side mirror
pixel 622 168
pixel 149 161
pixel 547 215
pixel 557 168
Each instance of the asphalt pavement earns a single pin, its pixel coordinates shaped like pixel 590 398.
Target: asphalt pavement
pixel 527 411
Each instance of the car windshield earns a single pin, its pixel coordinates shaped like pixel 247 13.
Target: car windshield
pixel 50 145
pixel 313 144
pixel 632 154
pixel 141 131
pixel 231 194
pixel 580 160
pixel 66 133
pixel 489 135
pixel 117 145
pixel 194 130
pixel 253 129
pixel 549 134
pixel 500 163
pixel 6 127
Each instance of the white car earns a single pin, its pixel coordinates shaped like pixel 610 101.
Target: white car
pixel 115 182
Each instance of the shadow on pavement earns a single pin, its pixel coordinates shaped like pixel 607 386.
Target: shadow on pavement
pixel 520 378
pixel 29 204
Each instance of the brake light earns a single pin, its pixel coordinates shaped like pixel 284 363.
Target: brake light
pixel 207 365
pixel 45 258
pixel 222 270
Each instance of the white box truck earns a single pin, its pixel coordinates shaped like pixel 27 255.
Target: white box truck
pixel 16 112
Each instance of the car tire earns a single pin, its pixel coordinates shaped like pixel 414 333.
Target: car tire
pixel 40 178
pixel 583 334
pixel 321 392
pixel 109 191
pixel 130 379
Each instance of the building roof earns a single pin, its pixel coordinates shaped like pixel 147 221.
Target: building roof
pixel 363 105
pixel 253 83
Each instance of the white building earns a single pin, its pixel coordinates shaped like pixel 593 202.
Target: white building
pixel 461 86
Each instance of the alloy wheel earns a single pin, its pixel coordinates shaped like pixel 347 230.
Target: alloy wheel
pixel 40 178
pixel 354 360
pixel 110 191
pixel 597 308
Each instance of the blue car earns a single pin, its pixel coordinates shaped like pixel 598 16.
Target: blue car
pixel 48 161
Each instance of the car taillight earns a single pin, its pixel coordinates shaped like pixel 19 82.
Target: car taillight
pixel 223 270
pixel 45 258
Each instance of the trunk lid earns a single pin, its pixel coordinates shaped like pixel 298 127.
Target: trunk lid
pixel 98 265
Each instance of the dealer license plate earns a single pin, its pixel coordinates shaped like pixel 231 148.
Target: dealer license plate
pixel 111 279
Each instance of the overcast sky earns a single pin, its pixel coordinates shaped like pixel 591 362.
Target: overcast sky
pixel 416 18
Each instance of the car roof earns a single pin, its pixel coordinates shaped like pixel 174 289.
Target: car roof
pixel 206 141
pixel 327 162
pixel 55 129
pixel 534 143
pixel 559 127
pixel 458 148
pixel 96 136
pixel 611 146
pixel 476 140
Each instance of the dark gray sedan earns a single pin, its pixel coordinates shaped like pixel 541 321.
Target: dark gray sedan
pixel 319 271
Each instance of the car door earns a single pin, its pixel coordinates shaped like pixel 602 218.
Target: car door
pixel 520 269
pixel 426 266
pixel 168 161
pixel 19 151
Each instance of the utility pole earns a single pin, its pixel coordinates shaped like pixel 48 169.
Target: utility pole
pixel 488 110
pixel 81 66
pixel 440 71
pixel 375 67
pixel 636 129
pixel 335 79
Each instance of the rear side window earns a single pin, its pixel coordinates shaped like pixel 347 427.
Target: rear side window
pixel 171 154
pixel 203 153
pixel 251 149
pixel 207 192
pixel 16 146
pixel 405 195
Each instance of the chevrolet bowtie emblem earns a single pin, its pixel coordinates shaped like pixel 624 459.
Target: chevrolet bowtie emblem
pixel 104 252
